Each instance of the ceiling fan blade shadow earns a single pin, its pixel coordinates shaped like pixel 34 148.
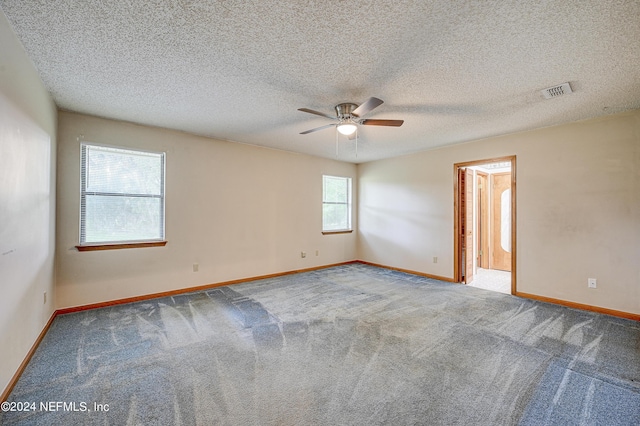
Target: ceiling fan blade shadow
pixel 392 123
pixel 317 128
pixel 321 114
pixel 367 106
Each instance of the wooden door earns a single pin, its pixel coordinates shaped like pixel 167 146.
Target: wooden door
pixel 465 179
pixel 501 221
pixel 482 220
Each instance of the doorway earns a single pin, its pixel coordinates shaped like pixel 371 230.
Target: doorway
pixel 484 225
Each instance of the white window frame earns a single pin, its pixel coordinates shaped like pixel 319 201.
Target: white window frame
pixel 160 240
pixel 347 202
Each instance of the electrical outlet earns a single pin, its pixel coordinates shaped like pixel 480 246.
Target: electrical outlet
pixel 435 259
pixel 303 254
pixel 591 283
pixel 317 252
pixel 196 267
pixel 45 298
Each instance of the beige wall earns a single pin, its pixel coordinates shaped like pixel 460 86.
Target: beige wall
pixel 236 210
pixel 27 203
pixel 578 209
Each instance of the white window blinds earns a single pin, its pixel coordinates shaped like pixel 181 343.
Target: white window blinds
pixel 336 203
pixel 122 195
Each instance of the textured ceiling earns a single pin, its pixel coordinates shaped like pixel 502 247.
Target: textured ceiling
pixel 238 70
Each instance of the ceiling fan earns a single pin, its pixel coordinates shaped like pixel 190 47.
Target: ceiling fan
pixel 348 117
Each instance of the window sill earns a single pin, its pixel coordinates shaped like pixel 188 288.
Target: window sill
pixel 345 231
pixel 116 246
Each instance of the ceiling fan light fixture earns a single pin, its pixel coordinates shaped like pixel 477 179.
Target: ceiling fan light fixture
pixel 347 128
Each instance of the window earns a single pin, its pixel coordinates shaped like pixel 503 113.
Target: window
pixel 336 204
pixel 122 196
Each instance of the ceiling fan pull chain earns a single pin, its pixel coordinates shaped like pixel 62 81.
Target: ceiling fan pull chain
pixel 356 142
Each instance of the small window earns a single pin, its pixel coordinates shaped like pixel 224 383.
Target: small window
pixel 122 195
pixel 336 204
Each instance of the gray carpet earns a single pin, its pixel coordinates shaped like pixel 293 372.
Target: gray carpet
pixel 349 345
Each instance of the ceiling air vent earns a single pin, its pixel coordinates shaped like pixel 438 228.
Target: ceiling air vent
pixel 555 91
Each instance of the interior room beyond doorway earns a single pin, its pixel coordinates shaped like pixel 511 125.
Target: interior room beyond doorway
pixel 485 220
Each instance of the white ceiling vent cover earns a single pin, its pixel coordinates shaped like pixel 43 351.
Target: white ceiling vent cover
pixel 555 91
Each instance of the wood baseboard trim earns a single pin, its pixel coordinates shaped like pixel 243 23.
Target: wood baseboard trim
pixel 408 271
pixel 27 358
pixel 170 293
pixel 584 307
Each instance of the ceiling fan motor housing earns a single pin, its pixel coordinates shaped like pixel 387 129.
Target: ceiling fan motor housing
pixel 345 111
